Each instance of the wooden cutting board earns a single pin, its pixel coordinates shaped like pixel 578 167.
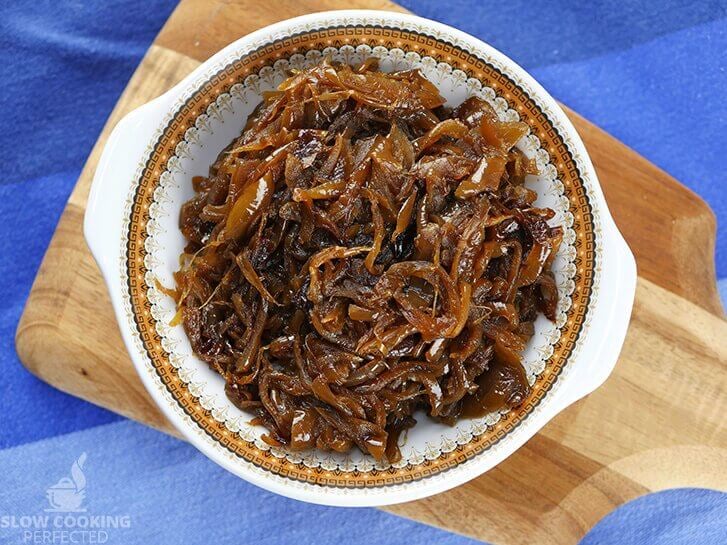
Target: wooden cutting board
pixel 658 422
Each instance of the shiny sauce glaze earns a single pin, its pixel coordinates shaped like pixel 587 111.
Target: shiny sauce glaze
pixel 362 252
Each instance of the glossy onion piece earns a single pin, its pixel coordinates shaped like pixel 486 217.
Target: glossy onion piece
pixel 248 207
pixel 362 252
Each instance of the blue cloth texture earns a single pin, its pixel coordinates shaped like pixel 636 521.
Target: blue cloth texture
pixel 651 73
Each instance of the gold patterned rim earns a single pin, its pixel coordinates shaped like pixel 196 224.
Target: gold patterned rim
pixel 314 40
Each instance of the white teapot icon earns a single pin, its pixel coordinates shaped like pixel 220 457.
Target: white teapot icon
pixel 67 494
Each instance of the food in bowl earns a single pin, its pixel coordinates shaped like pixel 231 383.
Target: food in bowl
pixel 132 227
pixel 361 252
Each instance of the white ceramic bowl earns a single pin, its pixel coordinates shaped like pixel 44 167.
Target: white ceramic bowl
pixel 144 176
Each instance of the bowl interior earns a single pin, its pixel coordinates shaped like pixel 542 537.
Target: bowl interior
pixel 212 110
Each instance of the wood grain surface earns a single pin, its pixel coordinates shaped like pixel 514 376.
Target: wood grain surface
pixel 658 422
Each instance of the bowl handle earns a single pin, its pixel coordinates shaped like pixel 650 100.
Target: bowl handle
pixel 600 354
pixel 105 213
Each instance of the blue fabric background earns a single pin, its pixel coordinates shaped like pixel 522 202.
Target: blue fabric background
pixel 653 74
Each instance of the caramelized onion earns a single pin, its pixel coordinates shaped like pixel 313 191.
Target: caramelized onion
pixel 362 252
